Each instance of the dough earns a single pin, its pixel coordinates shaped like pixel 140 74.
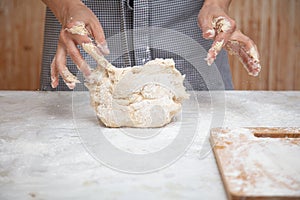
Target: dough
pixel 140 96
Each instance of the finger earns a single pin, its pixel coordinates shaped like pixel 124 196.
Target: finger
pixel 252 66
pixel 216 47
pixel 97 32
pixel 248 44
pixel 67 76
pixel 78 39
pixel 224 27
pixel 78 60
pixel 214 51
pixel 103 48
pixel 54 73
pixel 94 30
pixel 74 53
pixel 93 51
pixel 76 28
pixel 76 31
pixel 243 47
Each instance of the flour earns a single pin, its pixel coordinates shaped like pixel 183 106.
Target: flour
pixel 41 153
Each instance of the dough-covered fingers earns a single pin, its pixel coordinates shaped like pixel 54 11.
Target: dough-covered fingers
pixel 58 66
pixel 95 50
pixel 247 43
pixel 205 18
pixel 54 74
pixel 243 47
pixel 96 31
pixel 80 28
pixel 216 25
pixel 213 51
pixel 223 27
pixel 74 34
pixel 208 32
pixel 73 51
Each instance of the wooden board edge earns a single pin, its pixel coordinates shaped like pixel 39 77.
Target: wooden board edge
pixel 218 162
pixel 275 130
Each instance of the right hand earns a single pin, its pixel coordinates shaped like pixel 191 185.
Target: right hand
pixel 71 13
pixel 217 25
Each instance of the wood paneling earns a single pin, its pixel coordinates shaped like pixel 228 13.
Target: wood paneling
pixel 275 28
pixel 272 24
pixel 21 39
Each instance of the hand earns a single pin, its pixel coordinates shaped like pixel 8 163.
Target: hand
pixel 73 14
pixel 209 19
pixel 243 47
pixel 217 25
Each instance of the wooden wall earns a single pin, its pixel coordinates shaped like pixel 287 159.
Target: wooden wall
pixel 275 28
pixel 272 24
pixel 21 36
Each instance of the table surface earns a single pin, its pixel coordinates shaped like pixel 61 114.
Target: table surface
pixel 42 155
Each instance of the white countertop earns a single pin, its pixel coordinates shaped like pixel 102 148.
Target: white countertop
pixel 42 155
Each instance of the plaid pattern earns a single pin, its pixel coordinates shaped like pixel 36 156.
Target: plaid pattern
pixel 118 16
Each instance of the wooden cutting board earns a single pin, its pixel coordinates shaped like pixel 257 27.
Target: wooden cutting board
pixel 258 163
